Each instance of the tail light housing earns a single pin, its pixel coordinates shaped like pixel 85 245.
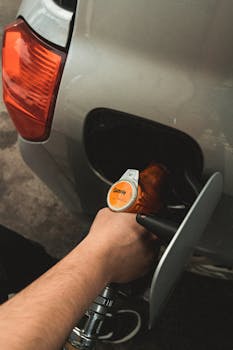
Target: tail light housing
pixel 31 73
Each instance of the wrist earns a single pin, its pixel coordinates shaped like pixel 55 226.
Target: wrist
pixel 98 258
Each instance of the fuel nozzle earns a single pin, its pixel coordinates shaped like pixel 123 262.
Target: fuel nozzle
pixel 144 193
pixel 139 192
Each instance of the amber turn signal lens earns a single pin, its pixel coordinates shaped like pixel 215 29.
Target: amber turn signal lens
pixel 31 72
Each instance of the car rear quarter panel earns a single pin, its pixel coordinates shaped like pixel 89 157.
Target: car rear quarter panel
pixel 167 61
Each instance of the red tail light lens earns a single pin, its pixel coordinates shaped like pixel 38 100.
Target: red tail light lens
pixel 31 72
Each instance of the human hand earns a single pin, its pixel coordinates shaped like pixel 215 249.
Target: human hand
pixel 126 248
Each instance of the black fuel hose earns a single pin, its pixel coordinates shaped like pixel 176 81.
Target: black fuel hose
pixel 164 229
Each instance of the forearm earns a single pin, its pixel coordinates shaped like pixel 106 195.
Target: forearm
pixel 41 316
pixel 116 249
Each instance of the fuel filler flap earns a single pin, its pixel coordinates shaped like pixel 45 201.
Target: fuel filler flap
pixel 181 246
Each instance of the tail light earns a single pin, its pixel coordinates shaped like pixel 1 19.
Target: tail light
pixel 31 72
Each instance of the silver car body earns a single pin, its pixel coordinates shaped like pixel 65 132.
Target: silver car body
pixel 168 61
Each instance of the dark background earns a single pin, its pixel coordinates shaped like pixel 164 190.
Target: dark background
pixel 199 314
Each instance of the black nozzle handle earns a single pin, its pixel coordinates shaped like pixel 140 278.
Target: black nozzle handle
pixel 162 228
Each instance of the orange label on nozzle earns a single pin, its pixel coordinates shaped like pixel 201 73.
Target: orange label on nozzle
pixel 143 192
pixel 121 195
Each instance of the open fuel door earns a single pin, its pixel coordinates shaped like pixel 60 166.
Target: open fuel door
pixel 180 248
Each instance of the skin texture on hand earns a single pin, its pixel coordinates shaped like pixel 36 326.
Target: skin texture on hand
pixel 41 316
pixel 128 247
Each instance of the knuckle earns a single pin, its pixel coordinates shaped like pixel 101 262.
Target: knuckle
pixel 102 211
